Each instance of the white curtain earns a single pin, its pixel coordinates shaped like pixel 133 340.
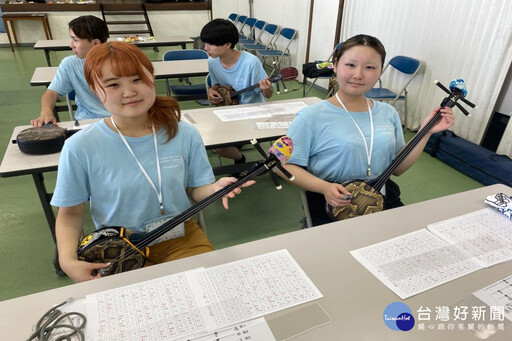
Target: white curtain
pixel 468 39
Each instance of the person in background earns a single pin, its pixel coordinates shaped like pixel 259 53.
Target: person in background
pixel 231 67
pixel 139 168
pixel 85 33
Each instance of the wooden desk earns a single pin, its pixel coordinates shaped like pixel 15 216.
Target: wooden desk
pixel 214 133
pixel 44 75
pixel 10 18
pixel 353 297
pixel 63 44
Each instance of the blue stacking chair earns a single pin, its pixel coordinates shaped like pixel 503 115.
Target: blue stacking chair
pixel 405 65
pixel 304 92
pixel 286 35
pixel 270 32
pixel 240 22
pixel 259 25
pixel 185 92
pixel 249 22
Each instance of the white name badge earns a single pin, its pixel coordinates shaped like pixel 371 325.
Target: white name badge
pixel 178 231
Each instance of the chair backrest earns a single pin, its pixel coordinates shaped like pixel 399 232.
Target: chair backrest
pixel 407 65
pixel 233 17
pixel 272 31
pixel 404 64
pixel 184 55
pixel 287 35
pixel 250 22
pixel 260 25
pixel 241 22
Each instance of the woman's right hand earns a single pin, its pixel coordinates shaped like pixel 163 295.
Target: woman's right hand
pixel 80 271
pixel 334 194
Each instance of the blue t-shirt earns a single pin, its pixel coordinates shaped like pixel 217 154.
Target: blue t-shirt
pixel 69 77
pixel 246 72
pixel 95 165
pixel 327 142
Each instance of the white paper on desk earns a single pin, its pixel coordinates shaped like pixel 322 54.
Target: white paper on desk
pixel 415 262
pixel 486 234
pixel 163 308
pixel 252 287
pixel 254 330
pixel 283 108
pixel 498 294
pixel 238 114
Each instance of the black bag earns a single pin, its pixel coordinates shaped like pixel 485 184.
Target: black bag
pixel 471 159
pixel 310 70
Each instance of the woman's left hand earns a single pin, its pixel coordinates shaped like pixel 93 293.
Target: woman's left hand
pixel 447 119
pixel 223 182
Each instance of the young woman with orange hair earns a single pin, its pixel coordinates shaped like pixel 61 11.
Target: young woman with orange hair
pixel 138 168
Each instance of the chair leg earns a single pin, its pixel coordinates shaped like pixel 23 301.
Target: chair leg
pixel 405 112
pixel 310 87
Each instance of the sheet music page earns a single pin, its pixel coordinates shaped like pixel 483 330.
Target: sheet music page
pixel 252 287
pixel 160 309
pixel 498 294
pixel 415 262
pixel 486 234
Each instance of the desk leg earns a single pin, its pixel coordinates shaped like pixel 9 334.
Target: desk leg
pixel 47 55
pixel 6 25
pixel 44 197
pixel 184 46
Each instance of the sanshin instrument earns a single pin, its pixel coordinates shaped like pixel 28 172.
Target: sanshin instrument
pixel 47 139
pixel 230 96
pixel 114 244
pixel 366 196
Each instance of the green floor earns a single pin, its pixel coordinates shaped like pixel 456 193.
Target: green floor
pixel 26 246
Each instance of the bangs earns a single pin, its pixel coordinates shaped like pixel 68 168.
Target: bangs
pixel 126 63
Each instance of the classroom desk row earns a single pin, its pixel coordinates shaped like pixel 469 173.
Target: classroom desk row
pixel 44 75
pixel 63 44
pixel 354 299
pixel 214 133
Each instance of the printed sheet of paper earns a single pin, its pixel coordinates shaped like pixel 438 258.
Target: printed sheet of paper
pixel 261 111
pixel 486 234
pixel 199 301
pixel 160 309
pixel 498 294
pixel 415 262
pixel 252 287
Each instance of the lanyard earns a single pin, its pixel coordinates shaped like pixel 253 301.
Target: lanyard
pixel 368 150
pixel 158 192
